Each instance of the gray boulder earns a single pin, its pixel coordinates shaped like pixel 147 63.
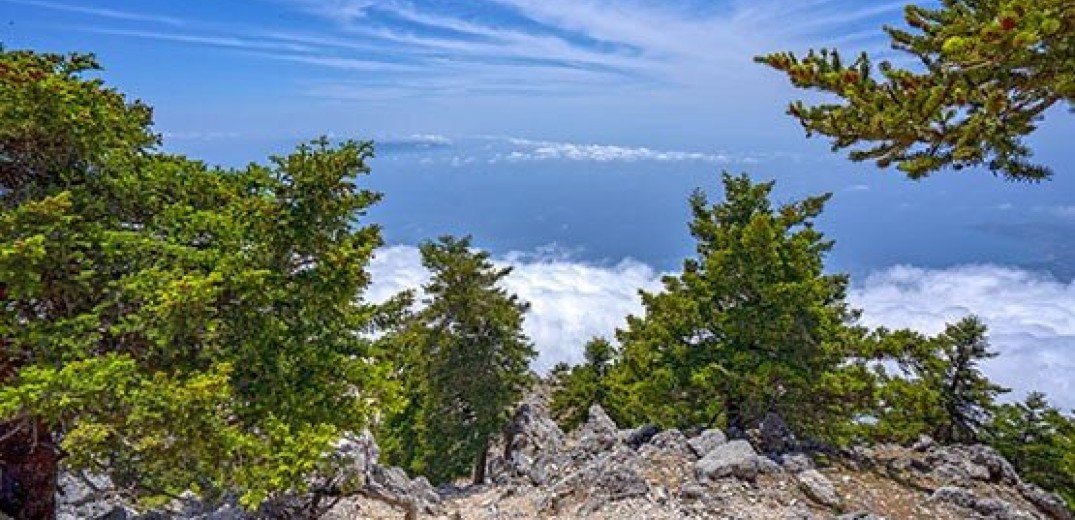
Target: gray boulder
pixel 599 433
pixel 1049 503
pixel 86 496
pixel 394 483
pixel 796 462
pixel 532 430
pixel 924 443
pixel 637 437
pixel 609 477
pixel 707 441
pixel 733 459
pixel 668 443
pixel 961 465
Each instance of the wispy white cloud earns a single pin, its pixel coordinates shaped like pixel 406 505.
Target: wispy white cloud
pixel 343 11
pixel 199 136
pixel 561 47
pixel 1062 211
pixel 421 139
pixel 494 149
pixel 550 150
pixel 612 42
pixel 201 39
pixel 101 12
pixel 1031 317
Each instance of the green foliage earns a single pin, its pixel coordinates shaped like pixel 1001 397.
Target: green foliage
pixel 938 390
pixel 987 71
pixel 466 363
pixel 53 122
pixel 579 387
pixel 966 396
pixel 182 327
pixel 750 327
pixel 1040 441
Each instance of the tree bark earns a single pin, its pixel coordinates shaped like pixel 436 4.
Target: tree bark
pixel 480 463
pixel 29 467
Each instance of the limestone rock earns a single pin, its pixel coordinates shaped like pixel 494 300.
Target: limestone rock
pixel 818 487
pixel 988 507
pixel 924 443
pixel 707 441
pixel 86 496
pixel 668 443
pixel 733 459
pixel 796 462
pixel 1048 503
pixel 599 432
pixel 960 465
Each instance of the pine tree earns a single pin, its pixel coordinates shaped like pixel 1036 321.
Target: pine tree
pixel 966 396
pixel 987 71
pixel 1040 441
pixel 471 362
pixel 177 326
pixel 584 385
pixel 940 390
pixel 750 326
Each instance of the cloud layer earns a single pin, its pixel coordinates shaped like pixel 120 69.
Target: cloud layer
pixel 570 302
pixel 550 150
pixel 1031 317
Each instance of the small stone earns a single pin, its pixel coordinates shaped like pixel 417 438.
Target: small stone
pixel 924 443
pixel 818 487
pixel 796 462
pixel 691 491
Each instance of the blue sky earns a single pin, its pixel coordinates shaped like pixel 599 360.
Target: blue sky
pixel 566 134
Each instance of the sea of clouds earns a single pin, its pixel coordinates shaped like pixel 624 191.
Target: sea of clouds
pixel 1031 316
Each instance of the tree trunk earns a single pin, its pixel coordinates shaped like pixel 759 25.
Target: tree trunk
pixel 29 465
pixel 480 463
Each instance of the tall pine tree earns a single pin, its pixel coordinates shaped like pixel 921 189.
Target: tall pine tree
pixel 965 395
pixel 750 326
pixel 939 388
pixel 176 326
pixel 1040 441
pixel 469 363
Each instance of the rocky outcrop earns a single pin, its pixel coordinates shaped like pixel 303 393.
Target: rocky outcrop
pixel 354 468
pixel 604 472
pixel 81 496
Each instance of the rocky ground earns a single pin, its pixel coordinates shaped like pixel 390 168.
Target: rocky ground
pixel 603 472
